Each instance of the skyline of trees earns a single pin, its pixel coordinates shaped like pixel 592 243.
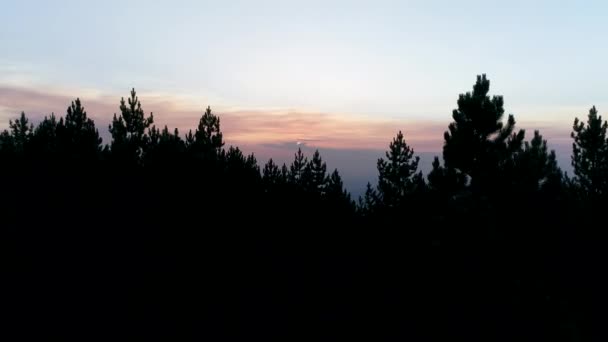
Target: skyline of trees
pixel 164 234
pixel 475 146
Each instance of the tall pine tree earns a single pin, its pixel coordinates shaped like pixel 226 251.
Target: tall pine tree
pixel 129 131
pixel 315 174
pixel 297 169
pixel 21 131
pixel 590 155
pixel 397 174
pixel 207 141
pixel 78 137
pixel 478 144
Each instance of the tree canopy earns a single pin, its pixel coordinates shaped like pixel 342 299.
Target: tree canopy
pixel 174 236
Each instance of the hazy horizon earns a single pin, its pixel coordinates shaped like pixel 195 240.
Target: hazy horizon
pixel 338 76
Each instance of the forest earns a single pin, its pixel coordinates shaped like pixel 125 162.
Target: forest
pixel 170 235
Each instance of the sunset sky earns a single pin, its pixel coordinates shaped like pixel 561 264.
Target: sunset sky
pixel 342 76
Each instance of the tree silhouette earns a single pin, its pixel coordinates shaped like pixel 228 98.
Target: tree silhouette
pixel 369 202
pixel 21 131
pixel 7 150
pixel 536 168
pixel 7 143
pixel 176 235
pixel 207 141
pixel 77 134
pixel 590 154
pixel 164 147
pixel 336 195
pixel 240 165
pixel 272 176
pixel 445 181
pixel 44 139
pixel 397 174
pixel 284 173
pixel 478 143
pixel 315 174
pixel 129 130
pixel 297 169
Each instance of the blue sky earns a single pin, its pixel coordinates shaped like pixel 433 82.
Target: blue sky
pixel 392 63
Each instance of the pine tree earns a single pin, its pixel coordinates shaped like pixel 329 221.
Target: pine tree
pixel 334 184
pixel 478 143
pixel 189 140
pixel 44 138
pixel 207 141
pixel 297 168
pixel 208 132
pixel 235 157
pixel 369 202
pixel 240 168
pixel 252 167
pixel 7 144
pixel 315 174
pixel 590 155
pixel 164 147
pixel 77 134
pixel 21 131
pixel 335 193
pixel 444 181
pixel 396 174
pixel 284 174
pixel 536 167
pixel 129 130
pixel 154 137
pixel 271 175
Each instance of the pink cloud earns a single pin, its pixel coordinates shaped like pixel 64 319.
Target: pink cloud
pixel 256 130
pixel 240 127
pixel 350 143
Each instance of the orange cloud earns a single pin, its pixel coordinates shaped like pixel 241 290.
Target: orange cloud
pixel 326 130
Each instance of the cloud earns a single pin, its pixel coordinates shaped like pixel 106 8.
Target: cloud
pixel 350 143
pixel 241 127
pixel 262 130
pixel 326 130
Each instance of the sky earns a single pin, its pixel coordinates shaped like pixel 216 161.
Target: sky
pixel 341 76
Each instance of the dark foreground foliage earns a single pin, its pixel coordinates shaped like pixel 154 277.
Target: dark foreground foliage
pixel 161 235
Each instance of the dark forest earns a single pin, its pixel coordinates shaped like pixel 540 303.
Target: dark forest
pixel 170 235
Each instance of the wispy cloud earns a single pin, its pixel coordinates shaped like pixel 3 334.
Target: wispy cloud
pixel 265 128
pixel 351 143
pixel 248 127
